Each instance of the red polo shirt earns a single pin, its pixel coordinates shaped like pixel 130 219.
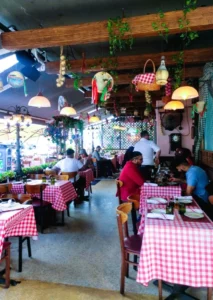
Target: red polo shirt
pixel 132 180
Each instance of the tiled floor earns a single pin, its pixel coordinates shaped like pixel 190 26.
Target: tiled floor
pixel 85 252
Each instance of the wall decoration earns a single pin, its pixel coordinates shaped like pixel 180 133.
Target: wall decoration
pixel 102 85
pixel 17 80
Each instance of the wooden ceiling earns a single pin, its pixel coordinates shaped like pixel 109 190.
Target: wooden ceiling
pixel 82 36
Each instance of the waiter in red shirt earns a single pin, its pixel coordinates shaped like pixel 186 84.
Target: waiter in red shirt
pixel 131 176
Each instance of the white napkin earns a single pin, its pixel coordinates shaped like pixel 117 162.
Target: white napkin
pixel 184 198
pixel 150 184
pixel 155 201
pixel 160 216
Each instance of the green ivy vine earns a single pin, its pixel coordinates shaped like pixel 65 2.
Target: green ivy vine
pixel 117 29
pixel 186 36
pixel 76 77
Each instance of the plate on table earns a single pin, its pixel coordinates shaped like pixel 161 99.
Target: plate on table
pixel 156 200
pixel 172 183
pixel 194 215
pixel 17 182
pixel 158 211
pixel 6 200
pixel 185 201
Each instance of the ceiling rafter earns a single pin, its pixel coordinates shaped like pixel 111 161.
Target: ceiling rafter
pixel 95 32
pixel 130 62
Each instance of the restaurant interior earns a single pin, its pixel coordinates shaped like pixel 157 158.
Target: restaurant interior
pixel 106 149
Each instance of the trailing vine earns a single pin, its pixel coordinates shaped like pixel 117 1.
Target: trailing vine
pixel 76 77
pixel 186 36
pixel 117 29
pixel 161 27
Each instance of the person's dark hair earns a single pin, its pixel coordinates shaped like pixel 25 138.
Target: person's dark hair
pixel 183 152
pixel 135 154
pixel 127 155
pixel 83 151
pixel 70 152
pixel 144 133
pixel 183 162
pixel 98 147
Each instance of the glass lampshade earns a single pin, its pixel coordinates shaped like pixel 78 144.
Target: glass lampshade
pixel 68 111
pixel 184 93
pixel 94 119
pixel 39 101
pixel 174 105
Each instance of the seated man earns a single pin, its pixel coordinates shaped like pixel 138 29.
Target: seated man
pixel 196 180
pixel 104 165
pixel 131 176
pixel 71 164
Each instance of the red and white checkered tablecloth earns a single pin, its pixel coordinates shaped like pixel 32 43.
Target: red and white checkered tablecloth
pixel 88 174
pixel 155 191
pixel 177 252
pixel 58 194
pixel 17 223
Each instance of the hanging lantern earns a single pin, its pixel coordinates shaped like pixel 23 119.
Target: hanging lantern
pixel 123 110
pixel 39 101
pixel 68 111
pixel 162 74
pixel 94 119
pixel 102 83
pixel 135 113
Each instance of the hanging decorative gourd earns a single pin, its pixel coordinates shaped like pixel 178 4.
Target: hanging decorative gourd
pixel 102 85
pixel 17 80
pixel 162 74
pixel 62 69
pixel 148 108
pixel 199 108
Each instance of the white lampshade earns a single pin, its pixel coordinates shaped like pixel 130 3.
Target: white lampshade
pixel 184 93
pixel 68 111
pixel 39 101
pixel 174 105
pixel 94 119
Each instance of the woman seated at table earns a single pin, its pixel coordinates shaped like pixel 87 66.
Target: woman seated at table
pixel 131 176
pixel 104 165
pixel 86 160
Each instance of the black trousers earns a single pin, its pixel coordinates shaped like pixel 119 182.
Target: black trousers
pixel 146 171
pixel 79 185
pixel 207 207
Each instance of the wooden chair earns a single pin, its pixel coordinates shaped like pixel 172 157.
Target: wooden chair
pixel 49 172
pixel 129 244
pixel 62 177
pixel 5 188
pixel 71 175
pixel 23 199
pixel 95 163
pixel 135 200
pixel 38 203
pixel 119 184
pixel 6 257
pixel 37 176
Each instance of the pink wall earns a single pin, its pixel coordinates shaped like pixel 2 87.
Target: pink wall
pixel 163 135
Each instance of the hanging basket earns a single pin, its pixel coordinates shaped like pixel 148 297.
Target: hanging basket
pixel 146 81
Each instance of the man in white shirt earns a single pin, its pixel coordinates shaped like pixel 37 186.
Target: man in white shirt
pixel 71 164
pixel 147 149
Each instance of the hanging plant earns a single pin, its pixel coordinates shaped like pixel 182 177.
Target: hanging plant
pixel 76 77
pixel 117 29
pixel 148 108
pixel 161 27
pixel 178 70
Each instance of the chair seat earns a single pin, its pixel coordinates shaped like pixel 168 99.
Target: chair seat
pixel 133 244
pixel 37 203
pixel 6 245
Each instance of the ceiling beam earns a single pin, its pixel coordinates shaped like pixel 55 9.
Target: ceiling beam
pixel 191 72
pixel 96 32
pixel 194 56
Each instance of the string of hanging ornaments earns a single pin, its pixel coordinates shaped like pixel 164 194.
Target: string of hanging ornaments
pixel 62 69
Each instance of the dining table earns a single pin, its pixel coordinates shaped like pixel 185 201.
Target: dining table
pixel 177 251
pixel 19 222
pixel 88 175
pixel 58 194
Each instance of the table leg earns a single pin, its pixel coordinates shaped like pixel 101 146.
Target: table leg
pixel 12 281
pixel 209 293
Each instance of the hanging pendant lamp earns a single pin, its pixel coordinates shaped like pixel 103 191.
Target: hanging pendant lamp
pixel 39 101
pixel 184 93
pixel 94 119
pixel 174 105
pixel 68 111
